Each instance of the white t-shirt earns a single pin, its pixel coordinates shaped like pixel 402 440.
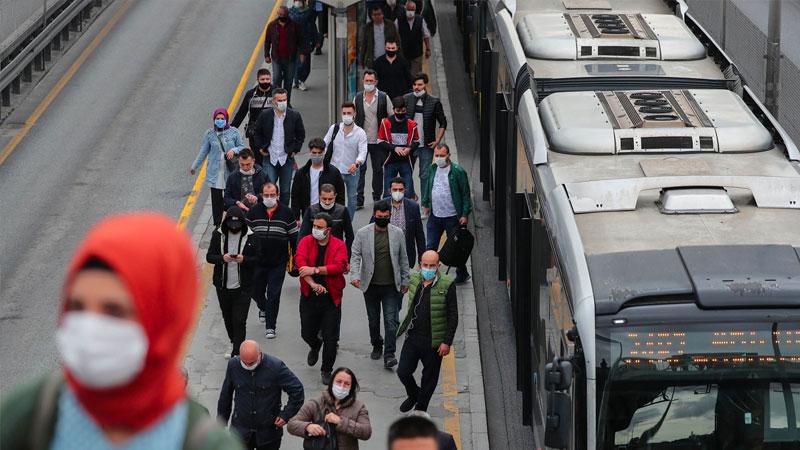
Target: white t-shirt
pixel 233 281
pixel 315 185
pixel 418 119
pixel 441 197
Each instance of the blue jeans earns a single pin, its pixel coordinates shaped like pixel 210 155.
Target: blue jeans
pixel 283 75
pixel 269 279
pixel 425 155
pixel 302 69
pixel 438 225
pixel 403 169
pixel 391 299
pixel 351 185
pixel 282 176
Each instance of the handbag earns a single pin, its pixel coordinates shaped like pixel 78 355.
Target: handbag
pixel 457 248
pixel 326 442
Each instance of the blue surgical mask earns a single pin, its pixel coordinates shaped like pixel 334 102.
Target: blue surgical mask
pixel 219 123
pixel 427 274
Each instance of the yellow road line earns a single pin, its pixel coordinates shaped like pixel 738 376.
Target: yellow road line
pixel 45 103
pixel 452 422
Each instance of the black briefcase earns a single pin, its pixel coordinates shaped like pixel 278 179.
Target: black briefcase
pixel 457 248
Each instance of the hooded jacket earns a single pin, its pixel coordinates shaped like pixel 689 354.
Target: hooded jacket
pixel 209 148
pixel 248 247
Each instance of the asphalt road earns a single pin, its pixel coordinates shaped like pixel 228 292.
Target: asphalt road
pixel 120 136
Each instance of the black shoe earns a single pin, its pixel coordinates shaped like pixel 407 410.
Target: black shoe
pixel 313 356
pixel 463 280
pixel 318 51
pixel 408 404
pixel 377 352
pixel 389 362
pixel 326 378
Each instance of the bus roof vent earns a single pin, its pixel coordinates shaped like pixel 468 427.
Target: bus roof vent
pixel 674 121
pixel 572 36
pixel 696 201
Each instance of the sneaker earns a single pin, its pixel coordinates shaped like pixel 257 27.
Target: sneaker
pixel 408 404
pixel 262 316
pixel 295 85
pixel 326 378
pixel 313 356
pixel 228 356
pixel 463 280
pixel 270 333
pixel 389 362
pixel 302 86
pixel 377 352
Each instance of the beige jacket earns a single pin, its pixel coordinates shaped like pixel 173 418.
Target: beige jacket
pixel 354 426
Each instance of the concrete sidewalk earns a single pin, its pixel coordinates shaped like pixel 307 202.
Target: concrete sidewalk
pixel 458 405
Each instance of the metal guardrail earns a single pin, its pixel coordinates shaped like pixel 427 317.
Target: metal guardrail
pixel 37 52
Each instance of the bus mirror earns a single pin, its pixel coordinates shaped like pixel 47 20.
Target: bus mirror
pixel 559 420
pixel 558 375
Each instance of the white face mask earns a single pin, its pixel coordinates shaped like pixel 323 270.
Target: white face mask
pixel 327 207
pixel 101 351
pixel 339 392
pixel 419 94
pixel 318 234
pixel 248 172
pixel 397 195
pixel 253 367
pixel 410 14
pixel 369 87
pixel 347 119
pixel 269 202
pixel 440 161
pixel 281 105
pixel 298 5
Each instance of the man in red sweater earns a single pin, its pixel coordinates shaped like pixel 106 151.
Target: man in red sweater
pixel 322 260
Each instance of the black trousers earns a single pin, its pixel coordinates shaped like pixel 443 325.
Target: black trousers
pixel 217 205
pixel 415 350
pixel 377 156
pixel 234 304
pixel 319 314
pixel 251 444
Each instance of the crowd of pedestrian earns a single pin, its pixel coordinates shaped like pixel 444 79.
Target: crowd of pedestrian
pixel 128 300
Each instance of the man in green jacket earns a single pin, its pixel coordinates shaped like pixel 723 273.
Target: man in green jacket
pixel 431 322
pixel 446 201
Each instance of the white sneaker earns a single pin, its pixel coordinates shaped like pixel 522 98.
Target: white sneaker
pixel 302 86
pixel 227 356
pixel 270 334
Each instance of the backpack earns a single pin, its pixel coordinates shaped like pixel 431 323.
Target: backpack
pixel 457 248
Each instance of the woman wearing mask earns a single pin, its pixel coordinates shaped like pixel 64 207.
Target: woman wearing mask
pixel 220 145
pixel 128 305
pixel 336 410
pixel 305 19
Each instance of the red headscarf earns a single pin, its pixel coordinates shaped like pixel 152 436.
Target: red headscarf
pixel 156 262
pixel 224 112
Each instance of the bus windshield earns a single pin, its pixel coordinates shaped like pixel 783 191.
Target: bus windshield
pixel 699 386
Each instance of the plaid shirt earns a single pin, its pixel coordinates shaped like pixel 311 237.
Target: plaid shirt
pixel 398 217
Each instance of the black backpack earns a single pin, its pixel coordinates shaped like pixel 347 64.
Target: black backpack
pixel 457 248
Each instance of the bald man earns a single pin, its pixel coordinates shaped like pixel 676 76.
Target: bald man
pixel 431 322
pixel 258 379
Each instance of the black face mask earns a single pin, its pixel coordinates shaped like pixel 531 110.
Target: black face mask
pixel 264 86
pixel 283 19
pixel 234 226
pixel 400 116
pixel 391 53
pixel 382 222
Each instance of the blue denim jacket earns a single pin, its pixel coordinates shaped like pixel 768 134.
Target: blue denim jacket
pixel 210 149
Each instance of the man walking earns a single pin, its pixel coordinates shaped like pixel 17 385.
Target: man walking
pixel 341 225
pixel 399 138
pixel 322 260
pixel 234 252
pixel 431 323
pixel 413 34
pixel 305 18
pixel 347 151
pixel 379 266
pixel 372 106
pixel 257 381
pixel 394 76
pixel 374 36
pixel 279 135
pixel 309 179
pixel 406 216
pixel 446 197
pixel 254 101
pixel 281 44
pixel 276 228
pixel 244 186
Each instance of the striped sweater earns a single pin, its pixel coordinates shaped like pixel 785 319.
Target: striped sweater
pixel 277 234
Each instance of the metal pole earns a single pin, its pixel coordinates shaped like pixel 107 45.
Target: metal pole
pixel 332 58
pixel 773 57
pixel 341 61
pixel 724 23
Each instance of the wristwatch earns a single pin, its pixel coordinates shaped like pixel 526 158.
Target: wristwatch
pixel 316 270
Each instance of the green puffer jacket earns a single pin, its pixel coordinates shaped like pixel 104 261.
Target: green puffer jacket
pixel 29 414
pixel 459 189
pixel 438 306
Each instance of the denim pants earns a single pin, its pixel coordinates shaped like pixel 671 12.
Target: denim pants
pixel 438 225
pixel 404 169
pixel 351 185
pixel 283 75
pixel 269 279
pixel 303 69
pixel 390 298
pixel 282 176
pixel 418 349
pixel 425 155
pixel 319 315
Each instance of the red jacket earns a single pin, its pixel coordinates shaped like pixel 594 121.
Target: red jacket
pixel 335 262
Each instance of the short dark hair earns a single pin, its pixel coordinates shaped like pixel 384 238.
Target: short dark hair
pixel 398 102
pixel 420 76
pixel 279 91
pixel 397 180
pixel 444 146
pixel 245 153
pixel 353 383
pixel 263 71
pixel 348 105
pixel 411 427
pixel 370 72
pixel 375 6
pixel 389 40
pixel 270 184
pixel 382 206
pixel 316 143
pixel 324 216
pixel 327 187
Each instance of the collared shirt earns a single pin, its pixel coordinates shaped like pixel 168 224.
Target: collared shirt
pixel 379 40
pixel 426 34
pixel 347 147
pixel 277 152
pixel 233 281
pixel 441 196
pixel 314 174
pixel 398 217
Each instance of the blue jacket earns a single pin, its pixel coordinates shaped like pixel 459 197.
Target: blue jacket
pixel 258 398
pixel 210 149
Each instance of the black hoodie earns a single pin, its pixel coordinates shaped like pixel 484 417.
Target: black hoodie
pixel 248 247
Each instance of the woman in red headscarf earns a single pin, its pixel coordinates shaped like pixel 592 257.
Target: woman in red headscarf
pixel 221 144
pixel 129 301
